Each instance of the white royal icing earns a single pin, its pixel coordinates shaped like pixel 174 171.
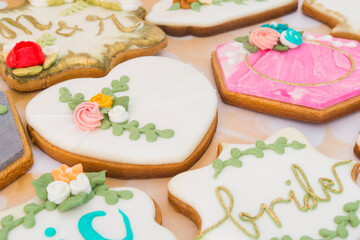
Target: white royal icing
pixel 58 191
pixel 139 209
pixel 330 39
pixel 130 5
pixel 348 9
pixel 44 3
pixel 209 15
pixel 166 92
pixel 262 180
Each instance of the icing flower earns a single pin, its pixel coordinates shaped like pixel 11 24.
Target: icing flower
pixel 81 184
pixel 25 54
pixel 58 191
pixel 103 100
pixel 87 116
pixel 118 114
pixel 276 26
pixel 50 50
pixel 66 174
pixel 130 5
pixel 291 38
pixel 185 4
pixel 264 38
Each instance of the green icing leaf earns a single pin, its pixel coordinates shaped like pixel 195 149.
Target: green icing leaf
pixel 126 194
pixel 149 126
pixel 74 8
pixel 6 221
pixel 250 48
pixel 3 109
pixel 218 165
pixel 120 86
pixel 122 101
pixel 118 129
pixel 97 178
pixel 64 90
pixel 217 2
pixel 101 188
pixel 281 48
pixel 72 202
pixel 50 206
pixel 351 207
pixel 151 135
pixel 301 32
pixel 195 6
pixel 104 110
pixel 105 123
pixel 134 133
pixel 167 133
pixel 41 184
pixel 79 96
pixel 111 197
pixel 354 220
pixel 65 98
pixel 107 91
pixel 29 220
pixel 296 145
pixel 175 6
pixel 286 237
pixel 133 123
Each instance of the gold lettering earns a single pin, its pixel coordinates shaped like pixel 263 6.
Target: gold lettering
pixel 310 201
pixel 62 25
pixel 11 34
pixel 114 20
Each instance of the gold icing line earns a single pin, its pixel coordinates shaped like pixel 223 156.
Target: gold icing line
pixel 308 84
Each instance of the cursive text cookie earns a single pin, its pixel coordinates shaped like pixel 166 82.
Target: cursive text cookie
pixel 137 122
pixel 280 188
pixel 42 45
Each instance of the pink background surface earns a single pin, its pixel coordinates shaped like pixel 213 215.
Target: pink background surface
pixel 236 125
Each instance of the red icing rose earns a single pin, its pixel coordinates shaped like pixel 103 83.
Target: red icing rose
pixel 25 54
pixel 264 38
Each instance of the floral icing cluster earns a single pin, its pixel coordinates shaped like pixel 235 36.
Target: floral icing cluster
pixel 274 36
pixel 64 188
pixel 30 58
pixel 196 4
pixel 105 110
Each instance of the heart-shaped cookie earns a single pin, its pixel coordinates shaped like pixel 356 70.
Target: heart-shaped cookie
pixel 172 116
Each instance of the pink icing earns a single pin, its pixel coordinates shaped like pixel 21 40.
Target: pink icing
pixel 308 64
pixel 87 116
pixel 264 38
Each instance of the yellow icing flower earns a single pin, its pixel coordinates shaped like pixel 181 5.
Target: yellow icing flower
pixel 103 100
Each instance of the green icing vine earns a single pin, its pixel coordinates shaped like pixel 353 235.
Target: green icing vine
pixel 74 8
pixel 46 40
pixel 196 6
pixel 97 183
pixel 279 147
pixel 342 222
pixel 150 130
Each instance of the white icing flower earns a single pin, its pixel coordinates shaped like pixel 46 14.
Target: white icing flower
pixel 205 1
pixel 118 114
pixel 50 49
pixel 7 47
pixel 44 3
pixel 130 5
pixel 58 191
pixel 81 184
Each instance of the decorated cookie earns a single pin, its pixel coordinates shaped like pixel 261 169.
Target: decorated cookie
pixel 285 72
pixel 342 16
pixel 137 122
pixel 71 204
pixel 42 45
pixel 280 188
pixel 15 152
pixel 209 17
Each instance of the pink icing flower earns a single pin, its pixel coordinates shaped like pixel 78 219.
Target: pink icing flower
pixel 87 115
pixel 264 38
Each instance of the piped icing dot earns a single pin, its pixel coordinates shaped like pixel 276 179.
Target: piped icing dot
pixel 50 232
pixel 3 109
